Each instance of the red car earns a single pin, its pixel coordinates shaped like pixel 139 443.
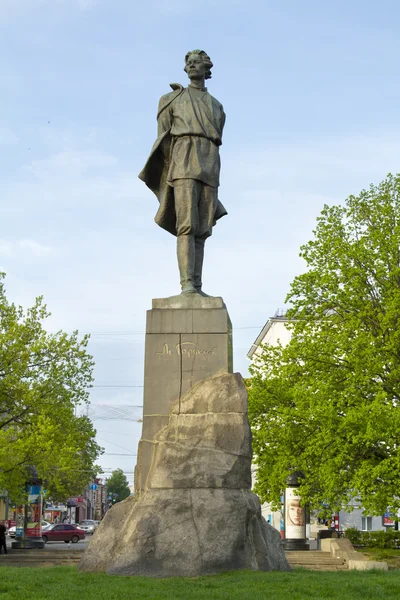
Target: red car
pixel 63 533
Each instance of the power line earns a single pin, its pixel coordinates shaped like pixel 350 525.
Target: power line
pixel 117 340
pixel 128 332
pixel 113 443
pixel 114 469
pixel 141 356
pixel 116 454
pixel 114 432
pixel 121 412
pixel 115 386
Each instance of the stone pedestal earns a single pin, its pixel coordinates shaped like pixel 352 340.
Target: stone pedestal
pixel 197 515
pixel 188 339
pixel 193 512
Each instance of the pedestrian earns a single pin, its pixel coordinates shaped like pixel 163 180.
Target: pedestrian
pixel 3 537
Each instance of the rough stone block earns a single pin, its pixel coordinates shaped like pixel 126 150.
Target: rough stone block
pixel 197 514
pixel 185 533
pixel 152 424
pixel 226 432
pixel 230 396
pixel 184 467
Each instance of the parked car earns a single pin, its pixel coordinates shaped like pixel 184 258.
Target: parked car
pixel 45 525
pixel 63 533
pixel 88 526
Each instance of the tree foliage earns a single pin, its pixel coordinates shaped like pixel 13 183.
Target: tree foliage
pixel 327 404
pixel 43 378
pixel 118 486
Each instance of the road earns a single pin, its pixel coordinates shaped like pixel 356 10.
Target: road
pixel 81 545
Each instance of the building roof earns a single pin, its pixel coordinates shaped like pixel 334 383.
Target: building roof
pixel 280 315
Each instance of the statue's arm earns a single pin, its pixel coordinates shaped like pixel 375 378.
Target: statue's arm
pixel 223 119
pixel 164 119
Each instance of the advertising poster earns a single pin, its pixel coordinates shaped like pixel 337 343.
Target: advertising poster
pixel 34 526
pixel 295 516
pixel 19 531
pixel 388 520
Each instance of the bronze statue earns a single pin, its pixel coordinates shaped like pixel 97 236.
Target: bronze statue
pixel 184 165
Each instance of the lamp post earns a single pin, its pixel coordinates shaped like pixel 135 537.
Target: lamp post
pixel 294 516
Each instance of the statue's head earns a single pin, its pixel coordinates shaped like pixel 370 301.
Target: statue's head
pixel 198 63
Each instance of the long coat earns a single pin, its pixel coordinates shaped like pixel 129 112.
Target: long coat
pixel 154 173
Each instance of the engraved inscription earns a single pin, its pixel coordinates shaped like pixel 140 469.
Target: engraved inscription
pixel 165 352
pixel 188 349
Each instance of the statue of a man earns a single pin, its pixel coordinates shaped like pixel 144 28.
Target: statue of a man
pixel 184 165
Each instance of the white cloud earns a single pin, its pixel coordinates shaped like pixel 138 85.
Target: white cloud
pixel 12 249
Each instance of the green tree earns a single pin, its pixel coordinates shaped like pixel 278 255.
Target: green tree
pixel 328 403
pixel 117 486
pixel 43 378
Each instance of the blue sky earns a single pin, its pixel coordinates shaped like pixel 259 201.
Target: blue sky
pixel 311 91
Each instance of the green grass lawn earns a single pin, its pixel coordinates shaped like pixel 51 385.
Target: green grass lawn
pixel 65 583
pixel 391 556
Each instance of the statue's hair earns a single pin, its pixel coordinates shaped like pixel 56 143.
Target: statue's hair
pixel 205 58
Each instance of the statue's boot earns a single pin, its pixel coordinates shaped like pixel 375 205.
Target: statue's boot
pixel 185 250
pixel 198 265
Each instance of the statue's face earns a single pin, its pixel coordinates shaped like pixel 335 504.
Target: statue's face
pixel 195 67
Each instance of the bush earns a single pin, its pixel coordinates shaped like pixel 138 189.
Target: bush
pixel 354 535
pixel 373 539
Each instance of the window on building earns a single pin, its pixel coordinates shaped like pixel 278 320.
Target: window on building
pixel 366 523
